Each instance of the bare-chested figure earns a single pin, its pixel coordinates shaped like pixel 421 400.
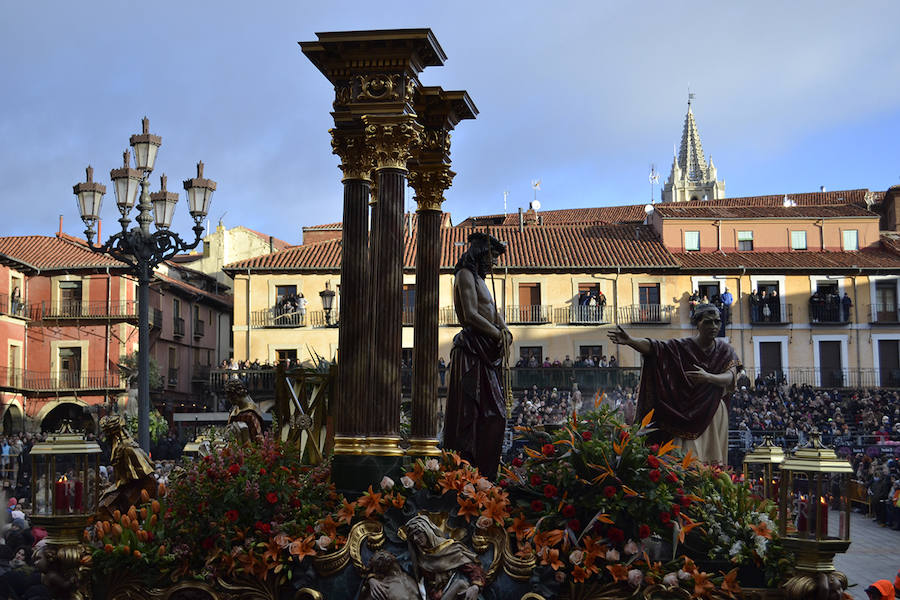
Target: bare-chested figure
pixel 476 412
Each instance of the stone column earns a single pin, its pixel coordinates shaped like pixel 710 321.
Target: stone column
pixel 429 182
pixel 392 137
pixel 354 335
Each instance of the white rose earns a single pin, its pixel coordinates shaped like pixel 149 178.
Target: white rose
pixel 683 575
pixel 635 577
pixel 483 485
pixel 387 483
pixel 407 482
pixel 484 522
pixel 323 542
pixel 612 555
pixel 631 548
pixel 576 556
pixel 671 579
pixel 432 464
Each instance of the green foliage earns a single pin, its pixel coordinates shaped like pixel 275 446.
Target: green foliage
pixel 159 426
pixel 128 369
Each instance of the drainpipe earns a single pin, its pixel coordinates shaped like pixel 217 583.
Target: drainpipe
pixel 248 313
pixel 741 309
pixel 821 225
pixel 719 235
pixel 856 320
pixel 106 346
pixel 521 222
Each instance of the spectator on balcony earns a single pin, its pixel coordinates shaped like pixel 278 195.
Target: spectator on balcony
pixel 816 306
pixel 693 301
pixel 442 369
pixel 754 306
pixel 613 363
pixel 601 304
pixel 603 364
pixel 775 304
pixel 532 361
pixel 15 300
pixel 302 303
pixel 846 303
pixel 727 301
pixel 567 363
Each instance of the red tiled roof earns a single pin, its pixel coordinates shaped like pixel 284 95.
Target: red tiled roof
pixel 804 199
pixel 279 244
pixel 325 226
pixel 53 253
pixel 599 214
pixel 193 289
pixel 709 211
pixel 874 258
pixel 547 247
pixel 410 218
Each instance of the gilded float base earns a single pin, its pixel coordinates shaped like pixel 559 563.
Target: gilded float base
pixel 423 447
pixel 349 445
pixel 383 445
pixel 815 556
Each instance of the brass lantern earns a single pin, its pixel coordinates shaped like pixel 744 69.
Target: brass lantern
pixel 65 484
pixel 760 467
pixel 806 486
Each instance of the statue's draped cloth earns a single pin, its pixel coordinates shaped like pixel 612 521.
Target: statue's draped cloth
pixel 681 408
pixel 476 413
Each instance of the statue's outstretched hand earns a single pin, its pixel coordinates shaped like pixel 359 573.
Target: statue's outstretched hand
pixel 699 375
pixel 618 335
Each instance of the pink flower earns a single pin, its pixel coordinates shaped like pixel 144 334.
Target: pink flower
pixel 323 542
pixel 631 548
pixel 407 482
pixel 635 577
pixel 671 579
pixel 387 483
pixel 484 522
pixel 612 555
pixel 576 556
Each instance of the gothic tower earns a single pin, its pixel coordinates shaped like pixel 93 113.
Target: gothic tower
pixel 692 178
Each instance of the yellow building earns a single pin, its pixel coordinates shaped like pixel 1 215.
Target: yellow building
pixel 645 261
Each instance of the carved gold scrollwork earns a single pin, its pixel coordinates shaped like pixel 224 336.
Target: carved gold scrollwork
pixel 517 567
pixel 660 592
pixel 429 184
pixel 369 532
pixel 393 138
pixel 495 538
pixel 341 96
pixel 410 89
pixel 436 140
pixel 308 594
pixel 379 87
pixel 355 154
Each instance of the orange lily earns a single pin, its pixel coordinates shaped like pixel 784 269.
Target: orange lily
pixel 525 550
pixel 371 501
pixel 302 548
pixel 329 526
pixel 689 566
pixel 417 473
pixel 702 585
pixel 730 584
pixel 347 512
pixel 550 557
pixel 619 572
pixel 521 527
pixel 467 508
pixel 579 574
pixel 496 510
pixel 448 483
pixel 762 530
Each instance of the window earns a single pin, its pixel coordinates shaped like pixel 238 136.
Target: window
pixel 70 366
pixel 284 291
pixel 745 241
pixel 173 366
pixel 70 298
pixel 592 351
pixel 176 308
pixel 692 240
pixel 409 303
pixel 526 353
pixel 851 239
pixel 798 240
pixel 286 355
pixel 529 303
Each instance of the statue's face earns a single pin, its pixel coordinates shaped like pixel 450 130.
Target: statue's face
pixel 709 324
pixel 420 539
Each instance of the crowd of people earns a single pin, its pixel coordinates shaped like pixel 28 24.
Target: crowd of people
pixel 290 309
pixel 551 406
pixel 588 361
pixel 828 306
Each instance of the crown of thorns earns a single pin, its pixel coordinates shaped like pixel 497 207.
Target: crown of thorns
pixel 483 240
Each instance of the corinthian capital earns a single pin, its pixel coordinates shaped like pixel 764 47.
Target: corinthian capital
pixel 429 184
pixel 394 137
pixel 355 153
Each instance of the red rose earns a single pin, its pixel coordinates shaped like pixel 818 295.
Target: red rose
pixel 536 480
pixel 609 491
pixel 676 510
pixel 503 483
pixel 207 543
pixel 575 525
pixel 271 497
pixel 537 505
pixel 672 477
pixel 654 475
pixel 653 462
pixel 680 490
pixel 644 531
pixel 295 503
pixel 234 469
pixel 664 517
pixel 550 490
pixel 262 470
pixel 232 515
pixel 685 501
pixel 654 448
pixel 263 527
pixel 568 511
pixel 548 450
pixel 615 535
pixel 310 529
pixel 586 435
pixel 517 462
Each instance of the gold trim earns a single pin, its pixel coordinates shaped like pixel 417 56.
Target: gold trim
pixel 519 569
pixel 356 155
pixel 308 593
pixel 394 137
pixel 383 445
pixel 423 447
pixel 492 537
pixel 370 532
pixel 352 445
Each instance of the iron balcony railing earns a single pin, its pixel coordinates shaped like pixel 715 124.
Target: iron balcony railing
pixel 409 316
pixel 256 380
pixel 528 314
pixel 827 378
pixel 771 313
pixel 582 315
pixel 179 326
pixel 36 381
pixel 199 329
pixel 822 314
pixel 447 316
pixel 13 308
pixel 319 318
pixel 173 377
pixel 277 317
pixel 636 314
pixel 884 314
pixel 156 317
pixel 77 309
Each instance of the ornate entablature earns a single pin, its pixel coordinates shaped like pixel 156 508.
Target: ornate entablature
pixel 357 159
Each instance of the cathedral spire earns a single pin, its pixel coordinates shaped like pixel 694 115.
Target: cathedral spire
pixel 690 156
pixel 692 177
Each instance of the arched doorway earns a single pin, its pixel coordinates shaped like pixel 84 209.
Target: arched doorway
pixel 12 419
pixel 67 411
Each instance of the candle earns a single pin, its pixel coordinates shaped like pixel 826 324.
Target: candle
pixel 79 492
pixel 801 515
pixel 823 515
pixel 61 503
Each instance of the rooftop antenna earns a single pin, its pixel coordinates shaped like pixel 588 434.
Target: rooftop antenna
pixel 536 186
pixel 505 198
pixel 654 179
pixel 222 217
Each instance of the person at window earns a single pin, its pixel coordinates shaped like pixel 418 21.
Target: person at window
pixel 816 304
pixel 532 361
pixel 15 301
pixel 765 307
pixel 684 382
pixel 693 301
pixel 567 363
pixel 727 301
pixel 613 363
pixel 601 304
pixel 775 307
pixel 754 306
pixel 846 303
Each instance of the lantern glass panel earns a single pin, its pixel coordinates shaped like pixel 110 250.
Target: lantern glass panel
pixel 126 192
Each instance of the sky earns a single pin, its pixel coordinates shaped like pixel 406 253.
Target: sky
pixel 584 96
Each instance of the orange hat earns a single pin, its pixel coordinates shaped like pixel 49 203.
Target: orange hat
pixel 882 587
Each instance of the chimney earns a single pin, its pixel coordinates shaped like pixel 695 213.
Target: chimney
pixel 890 216
pixel 821 188
pixel 271 244
pixel 60 222
pixel 540 219
pixel 99 231
pixel 521 221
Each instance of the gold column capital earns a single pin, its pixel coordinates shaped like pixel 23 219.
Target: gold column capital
pixel 393 138
pixel 356 154
pixel 429 183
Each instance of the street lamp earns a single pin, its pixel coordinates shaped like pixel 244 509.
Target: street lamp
pixel 327 296
pixel 138 247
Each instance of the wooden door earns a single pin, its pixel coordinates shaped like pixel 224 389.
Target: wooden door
pixel 886 302
pixel 830 368
pixel 889 362
pixel 770 359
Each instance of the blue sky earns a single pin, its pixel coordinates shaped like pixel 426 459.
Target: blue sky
pixel 582 95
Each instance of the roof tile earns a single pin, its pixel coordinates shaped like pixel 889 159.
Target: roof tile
pixel 54 253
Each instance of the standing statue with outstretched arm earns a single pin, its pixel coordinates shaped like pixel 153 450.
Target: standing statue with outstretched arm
pixel 476 413
pixel 685 382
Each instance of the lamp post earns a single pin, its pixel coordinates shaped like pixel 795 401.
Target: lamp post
pixel 138 247
pixel 327 296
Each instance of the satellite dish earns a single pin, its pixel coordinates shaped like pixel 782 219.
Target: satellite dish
pixel 649 209
pixel 536 205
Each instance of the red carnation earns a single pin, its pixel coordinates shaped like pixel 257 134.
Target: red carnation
pixel 685 501
pixel 517 462
pixel 550 490
pixel 568 511
pixel 615 535
pixel 586 435
pixel 503 483
pixel 676 510
pixel 654 475
pixel 264 527
pixel 664 517
pixel 653 462
pixel 536 480
pixel 654 448
pixel 295 503
pixel 271 497
pixel 644 531
pixel 262 470
pixel 548 450
pixel 575 525
pixel 537 505
pixel 609 491
pixel 232 515
pixel 672 477
pixel 234 469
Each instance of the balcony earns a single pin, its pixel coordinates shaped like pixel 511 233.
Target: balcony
pixel 409 316
pixel 318 318
pixel 582 315
pixel 179 327
pixel 827 378
pixel 447 316
pixel 884 314
pixel 534 314
pixel 78 310
pixel 646 314
pixel 156 318
pixel 12 308
pixel 172 379
pixel 820 314
pixel 778 313
pixel 199 329
pixel 36 381
pixel 277 317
